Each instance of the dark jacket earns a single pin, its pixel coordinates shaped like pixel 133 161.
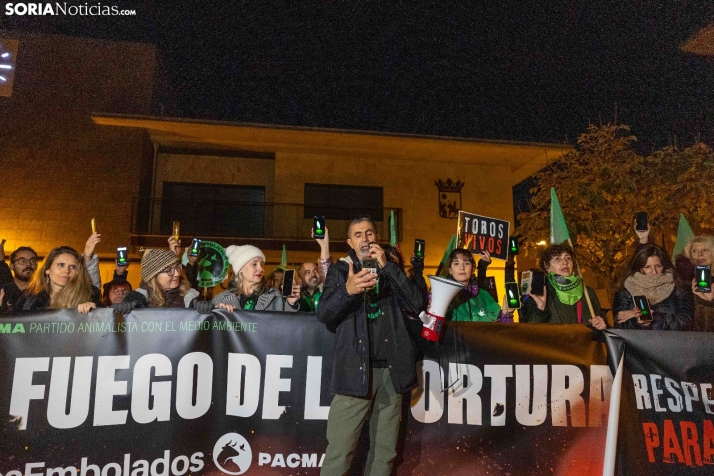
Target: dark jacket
pixel 172 298
pixel 556 312
pixel 673 314
pixel 12 292
pixel 346 316
pixel 703 315
pixel 38 302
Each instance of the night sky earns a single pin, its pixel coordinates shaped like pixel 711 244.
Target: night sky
pixel 517 70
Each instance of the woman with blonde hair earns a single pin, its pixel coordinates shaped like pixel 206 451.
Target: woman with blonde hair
pixel 61 283
pixel 699 251
pixel 250 289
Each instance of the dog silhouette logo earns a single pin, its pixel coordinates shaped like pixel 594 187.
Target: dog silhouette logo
pixel 232 454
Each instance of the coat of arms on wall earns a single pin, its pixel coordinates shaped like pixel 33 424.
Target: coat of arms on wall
pixel 449 197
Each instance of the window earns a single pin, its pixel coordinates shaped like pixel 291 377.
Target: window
pixel 213 210
pixel 8 54
pixel 343 202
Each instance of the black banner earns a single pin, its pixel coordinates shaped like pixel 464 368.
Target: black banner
pixel 170 392
pixel 478 233
pixel 667 405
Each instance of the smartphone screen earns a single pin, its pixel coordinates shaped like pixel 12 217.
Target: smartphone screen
pixel 513 246
pixel 318 226
pixel 512 296
pixel 94 225
pixel 288 282
pixel 643 305
pixel 195 246
pixel 122 259
pixel 537 283
pixel 176 227
pixel 641 221
pixel 703 275
pixel 419 246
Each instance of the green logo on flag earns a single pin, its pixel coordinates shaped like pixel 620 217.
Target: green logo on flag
pixel 212 264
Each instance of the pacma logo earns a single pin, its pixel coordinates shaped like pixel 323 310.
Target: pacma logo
pixel 232 454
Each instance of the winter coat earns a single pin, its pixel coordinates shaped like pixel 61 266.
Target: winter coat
pixel 347 316
pixel 672 314
pixel 556 312
pixel 271 300
pixel 140 298
pixel 38 302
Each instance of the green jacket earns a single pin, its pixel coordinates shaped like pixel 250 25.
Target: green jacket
pixel 467 307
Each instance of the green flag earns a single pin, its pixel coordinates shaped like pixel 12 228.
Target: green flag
pixel 558 229
pixel 684 234
pixel 443 268
pixel 284 259
pixel 392 230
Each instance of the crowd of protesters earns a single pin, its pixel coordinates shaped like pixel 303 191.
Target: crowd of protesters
pixel 68 279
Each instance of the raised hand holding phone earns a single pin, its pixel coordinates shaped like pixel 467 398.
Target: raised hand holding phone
pixel 174 245
pixel 318 227
pixel 92 241
pixel 359 282
pixel 122 258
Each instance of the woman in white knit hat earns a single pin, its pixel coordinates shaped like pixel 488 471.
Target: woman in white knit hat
pixel 163 284
pixel 250 288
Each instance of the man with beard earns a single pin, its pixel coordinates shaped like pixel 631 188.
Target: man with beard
pixel 312 276
pixel 310 292
pixel 374 357
pixel 23 262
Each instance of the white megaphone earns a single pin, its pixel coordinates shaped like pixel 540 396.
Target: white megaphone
pixel 442 292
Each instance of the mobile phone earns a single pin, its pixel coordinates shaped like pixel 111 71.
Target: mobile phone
pixel 419 248
pixel 513 246
pixel 641 221
pixel 94 225
pixel 526 277
pixel 370 264
pixel 122 259
pixel 288 282
pixel 643 305
pixel 195 246
pixel 537 283
pixel 513 297
pixel 176 227
pixel 318 227
pixel 703 275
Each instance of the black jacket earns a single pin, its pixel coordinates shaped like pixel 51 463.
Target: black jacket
pixel 38 302
pixel 673 314
pixel 346 316
pixel 556 312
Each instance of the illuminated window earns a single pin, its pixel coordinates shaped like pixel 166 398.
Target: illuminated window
pixel 8 54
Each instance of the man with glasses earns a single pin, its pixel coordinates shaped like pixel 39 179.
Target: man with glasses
pixel 23 263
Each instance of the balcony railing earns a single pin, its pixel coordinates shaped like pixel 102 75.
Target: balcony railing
pixel 279 221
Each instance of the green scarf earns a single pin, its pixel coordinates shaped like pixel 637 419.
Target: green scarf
pixel 568 288
pixel 372 302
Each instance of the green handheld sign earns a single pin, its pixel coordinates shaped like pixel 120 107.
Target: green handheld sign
pixel 213 265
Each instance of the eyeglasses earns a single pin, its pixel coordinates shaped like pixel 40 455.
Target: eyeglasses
pixel 25 261
pixel 172 270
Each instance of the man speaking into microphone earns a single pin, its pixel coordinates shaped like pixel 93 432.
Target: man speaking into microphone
pixel 374 357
